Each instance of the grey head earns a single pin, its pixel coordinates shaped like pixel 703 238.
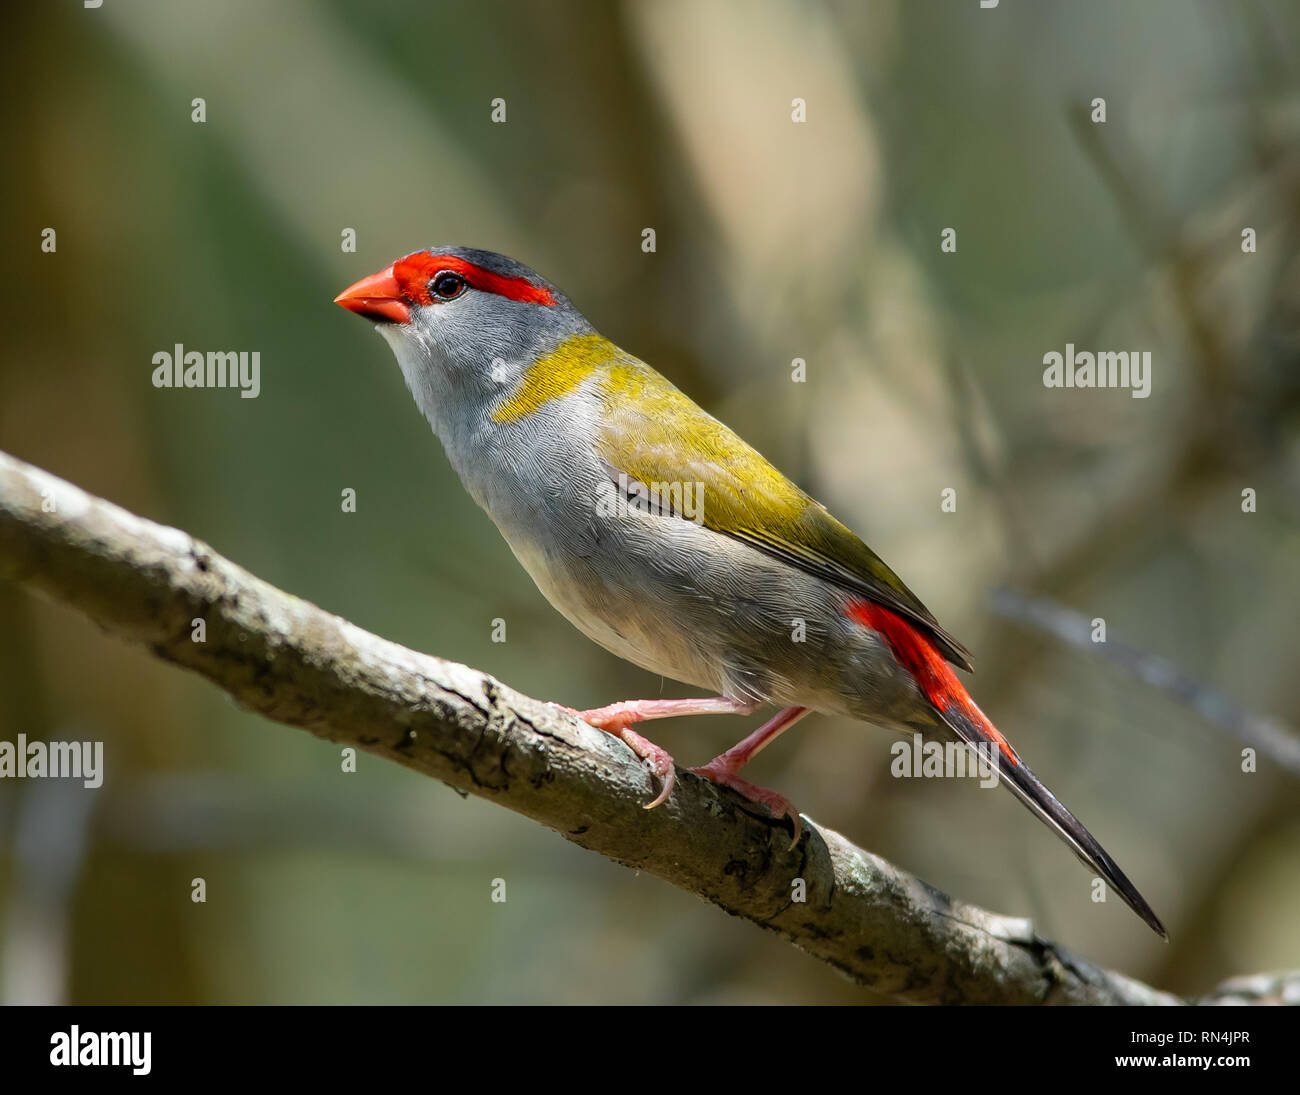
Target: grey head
pixel 464 325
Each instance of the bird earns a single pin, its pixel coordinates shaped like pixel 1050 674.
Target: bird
pixel 664 537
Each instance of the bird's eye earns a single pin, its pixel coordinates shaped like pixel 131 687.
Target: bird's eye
pixel 447 286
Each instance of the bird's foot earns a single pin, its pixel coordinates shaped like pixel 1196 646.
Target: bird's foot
pixel 778 805
pixel 617 719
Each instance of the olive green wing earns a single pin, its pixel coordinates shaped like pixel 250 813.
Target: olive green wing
pixel 652 432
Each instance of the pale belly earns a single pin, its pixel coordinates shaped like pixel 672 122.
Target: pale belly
pixel 723 617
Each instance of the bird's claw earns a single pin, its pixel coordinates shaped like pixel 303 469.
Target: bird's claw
pixel 616 720
pixel 658 761
pixel 778 805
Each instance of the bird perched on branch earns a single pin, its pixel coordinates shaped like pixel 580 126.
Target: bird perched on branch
pixel 664 537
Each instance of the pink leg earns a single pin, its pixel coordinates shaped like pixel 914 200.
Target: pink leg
pixel 617 718
pixel 722 769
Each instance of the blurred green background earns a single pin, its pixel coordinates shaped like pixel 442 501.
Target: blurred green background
pixel 775 241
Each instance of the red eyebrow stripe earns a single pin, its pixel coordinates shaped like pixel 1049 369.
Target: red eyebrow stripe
pixel 414 271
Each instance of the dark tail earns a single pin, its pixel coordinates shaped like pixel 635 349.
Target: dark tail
pixel 972 727
pixel 918 653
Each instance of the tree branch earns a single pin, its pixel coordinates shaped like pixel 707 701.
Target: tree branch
pixel 290 661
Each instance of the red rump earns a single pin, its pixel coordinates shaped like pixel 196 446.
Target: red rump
pixel 414 272
pixel 920 657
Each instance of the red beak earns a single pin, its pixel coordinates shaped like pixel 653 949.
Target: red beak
pixel 377 297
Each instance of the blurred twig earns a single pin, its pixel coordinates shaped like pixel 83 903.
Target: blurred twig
pixel 1268 735
pixel 53 825
pixel 1260 988
pixel 290 661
